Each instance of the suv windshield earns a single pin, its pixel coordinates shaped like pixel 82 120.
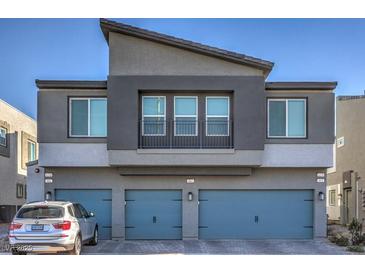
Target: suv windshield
pixel 41 212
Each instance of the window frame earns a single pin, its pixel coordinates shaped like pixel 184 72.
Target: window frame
pixel 329 197
pixel 217 116
pixel 6 134
pixel 187 116
pixel 30 142
pixel 305 136
pixel 88 99
pixel 19 191
pixel 156 116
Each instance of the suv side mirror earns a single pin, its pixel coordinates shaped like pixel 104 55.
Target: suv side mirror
pixel 91 214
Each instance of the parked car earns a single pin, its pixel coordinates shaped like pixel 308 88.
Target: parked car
pixel 52 226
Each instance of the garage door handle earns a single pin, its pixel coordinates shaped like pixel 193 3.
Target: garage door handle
pixel 154 219
pixel 256 219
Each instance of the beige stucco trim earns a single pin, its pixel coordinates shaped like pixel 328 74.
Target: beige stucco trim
pixel 24 148
pixel 5 125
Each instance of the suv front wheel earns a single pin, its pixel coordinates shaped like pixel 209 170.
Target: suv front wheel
pixel 95 239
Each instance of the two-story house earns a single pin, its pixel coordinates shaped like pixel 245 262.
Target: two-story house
pixel 346 180
pixel 187 141
pixel 18 146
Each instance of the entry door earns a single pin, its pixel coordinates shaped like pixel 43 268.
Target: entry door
pixel 349 207
pixel 257 214
pixel 153 214
pixel 98 201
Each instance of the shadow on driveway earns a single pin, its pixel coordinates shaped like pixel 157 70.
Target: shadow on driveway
pixel 221 247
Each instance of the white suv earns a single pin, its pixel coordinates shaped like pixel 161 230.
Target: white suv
pixel 52 226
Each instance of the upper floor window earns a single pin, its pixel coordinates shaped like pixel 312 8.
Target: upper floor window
pixel 186 115
pixel 217 116
pixel 154 115
pixel 31 151
pixel 88 117
pixel 3 132
pixel 287 118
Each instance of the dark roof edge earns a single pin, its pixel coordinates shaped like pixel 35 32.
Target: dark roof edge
pixel 350 97
pixel 72 84
pixel 300 85
pixel 112 26
pixel 32 163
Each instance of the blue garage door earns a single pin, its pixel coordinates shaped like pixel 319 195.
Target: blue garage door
pixel 153 214
pixel 261 214
pixel 98 201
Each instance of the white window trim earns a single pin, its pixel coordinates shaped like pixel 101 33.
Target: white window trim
pixel 88 116
pixel 155 116
pixel 30 142
pixel 286 117
pixel 329 197
pixel 6 132
pixel 216 116
pixel 186 116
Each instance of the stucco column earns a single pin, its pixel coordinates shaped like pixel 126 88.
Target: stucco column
pixel 118 209
pixel 190 213
pixel 320 214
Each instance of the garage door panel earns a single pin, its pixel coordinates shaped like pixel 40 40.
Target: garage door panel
pixel 98 201
pixel 239 214
pixel 153 214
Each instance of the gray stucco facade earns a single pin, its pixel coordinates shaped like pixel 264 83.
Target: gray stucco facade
pixel 145 63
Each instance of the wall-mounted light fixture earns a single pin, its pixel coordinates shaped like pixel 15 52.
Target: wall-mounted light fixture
pixel 321 196
pixel 48 195
pixel 190 196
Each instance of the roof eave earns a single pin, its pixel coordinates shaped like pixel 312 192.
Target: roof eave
pixel 300 85
pixel 70 84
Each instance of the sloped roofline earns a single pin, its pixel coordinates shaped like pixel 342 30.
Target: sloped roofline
pixel 108 26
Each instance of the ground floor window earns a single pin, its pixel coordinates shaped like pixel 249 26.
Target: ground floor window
pixel 332 197
pixel 19 191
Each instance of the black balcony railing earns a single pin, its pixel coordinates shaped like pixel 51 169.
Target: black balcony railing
pixel 185 132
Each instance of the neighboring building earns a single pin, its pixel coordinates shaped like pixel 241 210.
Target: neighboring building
pixel 18 146
pixel 346 187
pixel 186 141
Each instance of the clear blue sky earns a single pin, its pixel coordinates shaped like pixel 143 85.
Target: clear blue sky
pixel 68 49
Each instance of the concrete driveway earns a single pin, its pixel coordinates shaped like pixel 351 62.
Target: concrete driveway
pixel 228 247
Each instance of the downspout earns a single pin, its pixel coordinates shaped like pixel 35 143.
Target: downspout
pixel 357 178
pixel 357 199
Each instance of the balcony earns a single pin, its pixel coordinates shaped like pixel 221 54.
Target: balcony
pixel 186 133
